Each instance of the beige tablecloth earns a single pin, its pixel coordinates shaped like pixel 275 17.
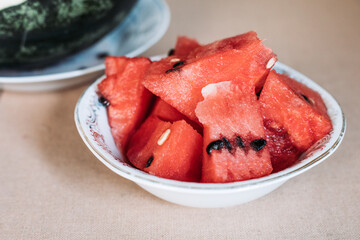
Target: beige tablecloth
pixel 52 187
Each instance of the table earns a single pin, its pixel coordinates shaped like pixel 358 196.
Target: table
pixel 52 187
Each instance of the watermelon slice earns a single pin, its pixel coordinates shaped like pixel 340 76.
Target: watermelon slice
pixel 126 98
pixel 236 42
pixel 234 139
pixel 283 152
pixel 184 46
pixel 290 106
pixel 168 150
pixel 166 112
pixel 114 65
pixel 242 58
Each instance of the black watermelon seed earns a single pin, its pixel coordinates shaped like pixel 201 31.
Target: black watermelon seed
pixel 178 64
pixel 149 161
pixel 104 101
pixel 172 70
pixel 259 92
pixel 102 55
pixel 171 52
pixel 306 98
pixel 239 142
pixel 217 145
pixel 227 144
pixel 258 144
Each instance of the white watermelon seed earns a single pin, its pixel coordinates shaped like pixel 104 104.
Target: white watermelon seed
pixel 270 63
pixel 163 137
pixel 312 101
pixel 175 60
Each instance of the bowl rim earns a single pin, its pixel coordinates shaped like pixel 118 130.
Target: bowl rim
pixel 146 179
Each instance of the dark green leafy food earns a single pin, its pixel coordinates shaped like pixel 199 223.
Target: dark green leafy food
pixel 37 33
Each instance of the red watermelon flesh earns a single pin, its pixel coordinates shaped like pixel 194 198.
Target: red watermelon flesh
pixel 241 59
pixel 231 114
pixel 129 100
pixel 166 112
pixel 179 158
pixel 236 42
pixel 167 150
pixel 247 43
pixel 290 105
pixel 114 65
pixel 184 45
pixel 143 142
pixel 283 152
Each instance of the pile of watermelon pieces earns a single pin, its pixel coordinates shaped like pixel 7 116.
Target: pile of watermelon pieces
pixel 210 113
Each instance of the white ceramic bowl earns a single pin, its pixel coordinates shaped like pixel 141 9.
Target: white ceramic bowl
pixel 92 124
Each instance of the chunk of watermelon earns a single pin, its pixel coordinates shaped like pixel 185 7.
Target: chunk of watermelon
pixel 289 105
pixel 234 145
pixel 114 65
pixel 242 58
pixel 283 152
pixel 236 42
pixel 166 112
pixel 168 150
pixel 184 45
pixel 128 99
